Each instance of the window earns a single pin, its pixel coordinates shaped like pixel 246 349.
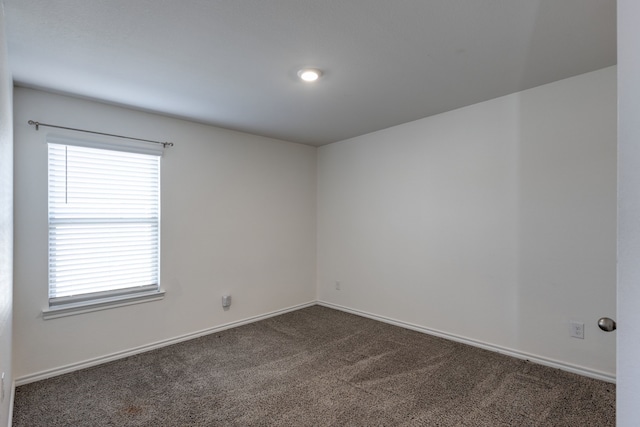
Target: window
pixel 104 223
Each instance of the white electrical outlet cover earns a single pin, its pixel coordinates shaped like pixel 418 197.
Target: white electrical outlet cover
pixel 576 329
pixel 226 300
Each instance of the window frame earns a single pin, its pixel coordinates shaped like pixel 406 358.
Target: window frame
pixel 88 302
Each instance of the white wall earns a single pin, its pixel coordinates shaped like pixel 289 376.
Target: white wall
pixel 6 221
pixel 495 223
pixel 238 216
pixel 628 387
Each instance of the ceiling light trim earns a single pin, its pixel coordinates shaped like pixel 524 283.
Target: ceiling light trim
pixel 309 75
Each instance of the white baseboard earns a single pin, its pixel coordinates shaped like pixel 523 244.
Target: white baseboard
pixel 486 346
pixel 12 399
pixel 137 350
pixel 148 347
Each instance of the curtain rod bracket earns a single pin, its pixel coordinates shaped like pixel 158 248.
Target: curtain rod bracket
pixel 38 124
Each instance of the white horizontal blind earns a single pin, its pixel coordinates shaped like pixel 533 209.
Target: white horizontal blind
pixel 103 223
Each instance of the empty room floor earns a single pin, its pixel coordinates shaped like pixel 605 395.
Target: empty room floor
pixel 317 367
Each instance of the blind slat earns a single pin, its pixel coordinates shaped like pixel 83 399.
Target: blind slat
pixel 103 222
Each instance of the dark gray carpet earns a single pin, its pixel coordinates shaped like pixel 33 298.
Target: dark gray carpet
pixel 317 367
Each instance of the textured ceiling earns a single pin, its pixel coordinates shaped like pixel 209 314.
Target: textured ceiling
pixel 233 63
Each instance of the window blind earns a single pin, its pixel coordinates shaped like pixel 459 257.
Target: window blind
pixel 104 212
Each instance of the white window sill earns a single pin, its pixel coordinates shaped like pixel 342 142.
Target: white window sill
pixel 103 304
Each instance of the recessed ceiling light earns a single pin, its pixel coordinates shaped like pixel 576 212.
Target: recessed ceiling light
pixel 309 74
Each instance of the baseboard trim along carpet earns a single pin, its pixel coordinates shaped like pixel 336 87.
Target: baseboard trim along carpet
pixel 144 348
pixel 486 346
pixel 12 399
pixel 317 366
